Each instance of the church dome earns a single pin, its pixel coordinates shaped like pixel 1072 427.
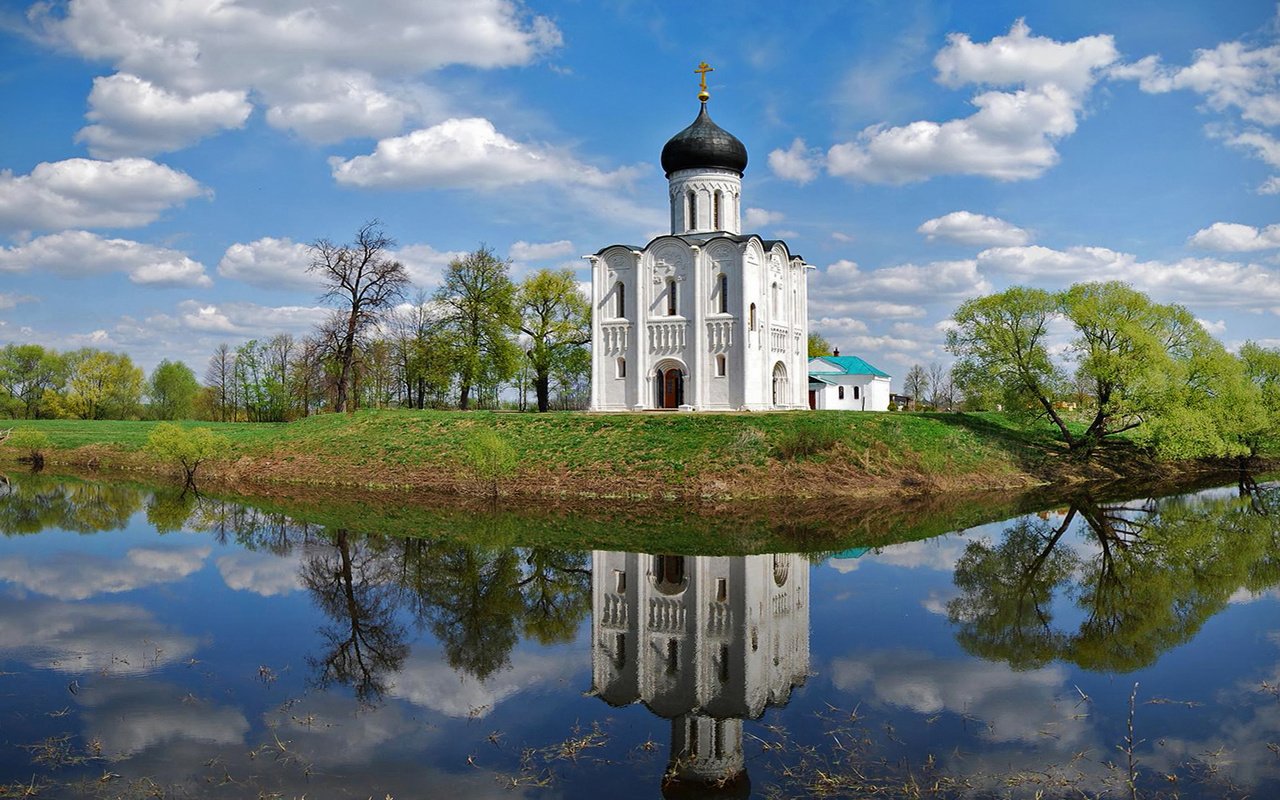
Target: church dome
pixel 704 145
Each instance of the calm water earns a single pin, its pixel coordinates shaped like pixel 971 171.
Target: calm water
pixel 157 645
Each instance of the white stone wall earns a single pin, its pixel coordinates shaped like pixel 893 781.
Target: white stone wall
pixel 703 184
pixel 872 393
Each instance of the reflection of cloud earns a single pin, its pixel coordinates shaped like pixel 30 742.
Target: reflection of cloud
pixel 1018 706
pixel 261 573
pixel 939 553
pixel 78 638
pixel 428 681
pixel 129 717
pixel 79 576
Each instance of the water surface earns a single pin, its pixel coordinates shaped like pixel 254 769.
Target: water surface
pixel 159 644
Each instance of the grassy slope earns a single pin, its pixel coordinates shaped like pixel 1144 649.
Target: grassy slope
pixel 815 453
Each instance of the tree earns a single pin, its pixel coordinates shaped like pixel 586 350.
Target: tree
pixel 101 385
pixel 818 346
pixel 490 457
pixel 219 377
pixel 190 447
pixel 27 371
pixel 1262 369
pixel 478 303
pixel 557 319
pixel 172 390
pixel 916 384
pixel 361 280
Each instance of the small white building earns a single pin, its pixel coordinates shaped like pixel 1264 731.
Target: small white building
pixel 707 317
pixel 847 383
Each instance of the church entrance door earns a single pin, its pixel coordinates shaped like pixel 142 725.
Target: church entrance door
pixel 670 388
pixel 813 399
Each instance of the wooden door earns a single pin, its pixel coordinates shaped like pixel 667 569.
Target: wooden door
pixel 671 386
pixel 813 399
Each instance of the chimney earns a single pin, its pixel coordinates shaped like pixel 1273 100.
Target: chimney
pixel 836 352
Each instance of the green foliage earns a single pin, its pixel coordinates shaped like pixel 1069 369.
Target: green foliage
pixel 172 390
pixel 557 319
pixel 490 457
pixel 818 346
pixel 1262 369
pixel 479 303
pixel 27 371
pixel 100 385
pixel 31 441
pixel 189 447
pixel 803 442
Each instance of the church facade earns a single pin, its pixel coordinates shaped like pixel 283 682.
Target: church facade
pixel 707 317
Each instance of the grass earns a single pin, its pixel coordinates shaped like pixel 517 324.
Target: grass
pixel 655 455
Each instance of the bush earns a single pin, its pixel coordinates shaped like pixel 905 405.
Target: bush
pixel 490 457
pixel 189 447
pixel 802 442
pixel 34 442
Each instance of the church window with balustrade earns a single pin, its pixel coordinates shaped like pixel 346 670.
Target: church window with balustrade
pixel 722 285
pixel 671 297
pixel 620 299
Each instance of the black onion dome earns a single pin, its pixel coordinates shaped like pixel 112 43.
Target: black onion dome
pixel 703 145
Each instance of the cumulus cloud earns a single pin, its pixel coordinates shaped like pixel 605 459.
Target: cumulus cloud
pixel 324 71
pixel 269 263
pixel 527 251
pixel 757 218
pixel 1199 281
pixel 134 117
pixel 797 163
pixel 76 254
pixel 247 319
pixel 129 717
pixel 425 264
pixel 976 229
pixel 1232 75
pixel 11 300
pixel 1232 237
pixel 428 681
pixel 79 576
pixel 261 573
pixel 83 193
pixel 467 154
pixel 1012 135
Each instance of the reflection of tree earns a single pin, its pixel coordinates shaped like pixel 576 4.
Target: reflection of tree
pixel 354 586
pixel 169 509
pixel 1148 578
pixel 557 594
pixel 34 503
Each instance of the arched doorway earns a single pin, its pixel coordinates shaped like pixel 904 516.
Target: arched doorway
pixel 669 386
pixel 781 387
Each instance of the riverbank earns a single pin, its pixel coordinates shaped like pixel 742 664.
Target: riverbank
pixel 623 457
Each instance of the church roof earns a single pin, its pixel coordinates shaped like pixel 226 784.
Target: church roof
pixel 701 239
pixel 704 145
pixel 845 365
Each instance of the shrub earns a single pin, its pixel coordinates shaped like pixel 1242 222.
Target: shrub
pixel 490 457
pixel 189 447
pixel 32 441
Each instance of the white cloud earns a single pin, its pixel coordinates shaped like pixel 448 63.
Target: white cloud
pixel 11 300
pixel 74 254
pixel 1012 136
pixel 248 319
pixel 975 229
pixel 326 71
pixel 756 218
pixel 797 163
pixel 467 154
pixel 425 264
pixel 1270 186
pixel 1198 281
pixel 428 681
pixel 269 263
pixel 265 574
pixel 1264 147
pixel 128 717
pixel 1216 328
pixel 1231 75
pixel 527 251
pixel 1232 237
pixel 82 193
pixel 79 576
pixel 134 117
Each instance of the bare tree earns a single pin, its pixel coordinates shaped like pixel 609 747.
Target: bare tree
pixel 361 280
pixel 939 379
pixel 916 384
pixel 219 377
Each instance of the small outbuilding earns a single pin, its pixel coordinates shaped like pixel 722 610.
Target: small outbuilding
pixel 847 383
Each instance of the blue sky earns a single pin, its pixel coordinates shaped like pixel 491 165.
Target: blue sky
pixel 165 162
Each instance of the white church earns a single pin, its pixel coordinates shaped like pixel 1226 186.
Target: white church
pixel 707 317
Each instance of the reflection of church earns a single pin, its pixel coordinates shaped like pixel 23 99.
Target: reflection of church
pixel 704 641
pixel 707 317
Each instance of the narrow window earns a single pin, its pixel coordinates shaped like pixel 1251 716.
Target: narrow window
pixel 722 589
pixel 622 368
pixel 724 663
pixel 855 393
pixel 693 737
pixel 724 293
pixel 620 650
pixel 671 297
pixel 620 581
pixel 840 392
pixel 720 366
pixel 621 292
pixel 755 640
pixel 673 656
pixel 776 312
pixel 753 316
pixel 719 737
pixel 693 211
pixel 716 207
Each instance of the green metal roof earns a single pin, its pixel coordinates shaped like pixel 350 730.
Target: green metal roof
pixel 846 365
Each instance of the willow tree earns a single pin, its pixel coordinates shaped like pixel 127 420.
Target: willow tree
pixel 557 319
pixel 361 280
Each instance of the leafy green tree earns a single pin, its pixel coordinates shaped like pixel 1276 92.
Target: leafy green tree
pixel 477 299
pixel 30 441
pixel 818 345
pixel 27 371
pixel 490 457
pixel 189 447
pixel 100 385
pixel 1262 369
pixel 172 390
pixel 557 319
pixel 362 281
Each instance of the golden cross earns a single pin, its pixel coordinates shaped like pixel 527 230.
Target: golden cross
pixel 702 70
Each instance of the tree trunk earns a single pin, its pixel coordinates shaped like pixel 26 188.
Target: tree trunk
pixel 542 385
pixel 464 397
